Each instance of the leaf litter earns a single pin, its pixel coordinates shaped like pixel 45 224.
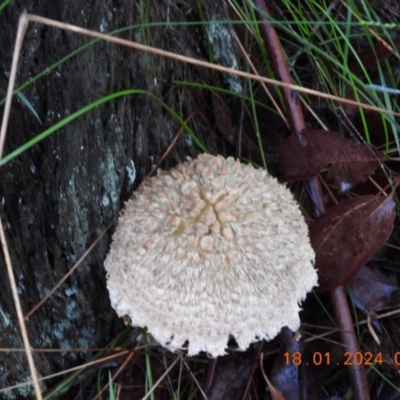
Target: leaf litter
pixel 348 164
pixel 353 225
pixel 231 378
pixel 371 290
pixel 349 235
pixel 292 375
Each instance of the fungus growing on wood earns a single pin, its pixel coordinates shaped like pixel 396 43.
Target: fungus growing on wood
pixel 209 250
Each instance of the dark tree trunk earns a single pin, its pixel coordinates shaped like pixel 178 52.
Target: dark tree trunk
pixel 58 196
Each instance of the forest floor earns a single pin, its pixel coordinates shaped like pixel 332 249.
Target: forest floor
pixel 309 92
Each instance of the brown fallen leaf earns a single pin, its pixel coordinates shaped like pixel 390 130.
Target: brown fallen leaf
pixel 373 56
pixel 348 235
pixel 224 120
pixel 371 290
pixel 348 163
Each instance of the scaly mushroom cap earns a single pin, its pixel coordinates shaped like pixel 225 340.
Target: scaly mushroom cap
pixel 209 249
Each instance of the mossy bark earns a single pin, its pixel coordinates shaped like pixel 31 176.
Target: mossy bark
pixel 58 196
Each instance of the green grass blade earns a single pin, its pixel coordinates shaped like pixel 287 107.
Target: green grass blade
pixel 91 106
pixel 4 4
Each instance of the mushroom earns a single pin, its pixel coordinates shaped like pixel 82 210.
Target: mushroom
pixel 209 250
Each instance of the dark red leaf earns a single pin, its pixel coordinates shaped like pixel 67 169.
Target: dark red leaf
pixel 371 290
pixel 373 56
pixel 224 119
pixel 347 163
pixel 348 235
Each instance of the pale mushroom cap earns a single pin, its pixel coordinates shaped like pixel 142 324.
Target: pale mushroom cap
pixel 209 249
